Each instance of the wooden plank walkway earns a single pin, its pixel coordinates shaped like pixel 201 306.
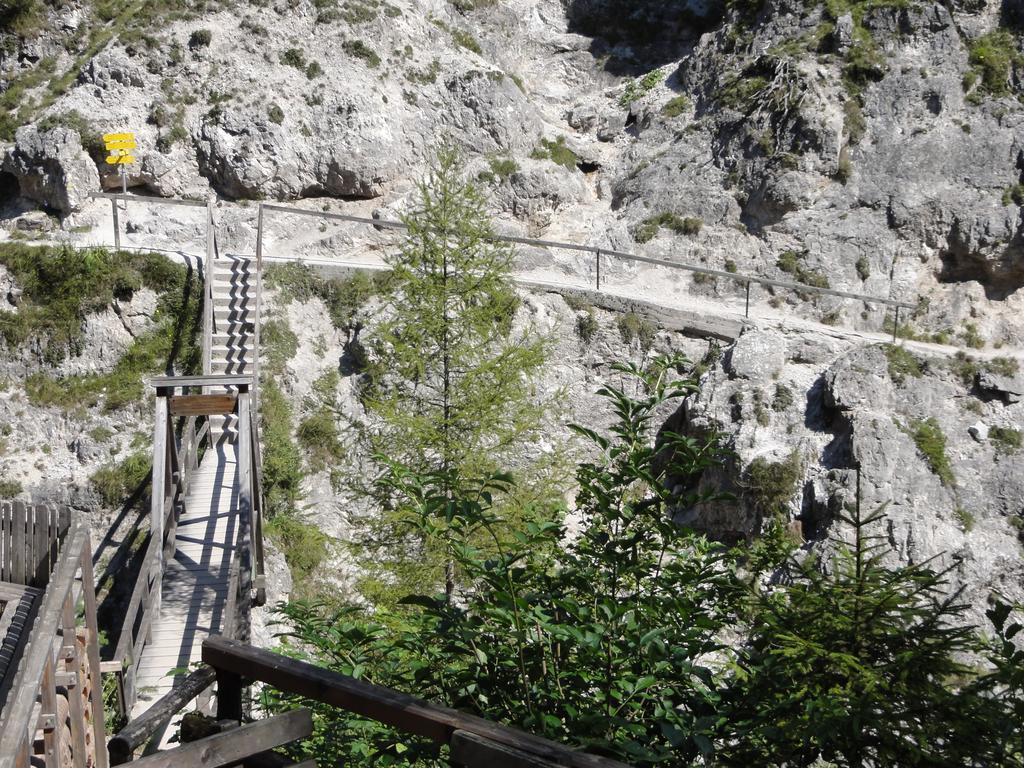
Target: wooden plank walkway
pixel 195 583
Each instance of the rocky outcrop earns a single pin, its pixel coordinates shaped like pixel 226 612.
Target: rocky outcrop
pixel 52 168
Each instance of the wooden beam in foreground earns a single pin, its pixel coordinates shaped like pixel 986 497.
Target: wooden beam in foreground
pixel 387 706
pixel 234 746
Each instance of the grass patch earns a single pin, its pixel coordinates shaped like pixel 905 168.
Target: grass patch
pixel 965 518
pixel 500 169
pixel 115 483
pixel 676 106
pixel 632 327
pixel 282 464
pixel 992 58
pixel 318 436
pixel 586 326
pixel 791 262
pixel 557 152
pixel 359 50
pixel 931 443
pixel 1006 439
pixel 304 546
pixel 902 364
pixel 344 297
pixel 9 488
pixel 649 227
pixel 639 87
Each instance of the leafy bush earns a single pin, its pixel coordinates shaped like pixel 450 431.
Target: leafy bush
pixel 1006 439
pixel 633 327
pixel 293 57
pixel 275 113
pixel 557 152
pixel 1014 195
pixel 639 87
pixel 9 488
pixel 648 228
pixel 360 50
pixel 201 38
pixel 931 442
pixel 116 482
pixel 314 70
pixel 318 435
pixel 970 336
pixel 863 267
pixel 791 262
pixel 992 58
pixel 304 547
pixel 586 326
pixel 676 106
pixel 783 399
pixel 773 484
pixel 902 363
pixel 282 465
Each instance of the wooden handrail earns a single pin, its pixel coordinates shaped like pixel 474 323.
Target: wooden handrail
pixel 53 647
pixel 407 713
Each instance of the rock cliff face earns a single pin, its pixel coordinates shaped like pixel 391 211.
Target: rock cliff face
pixel 874 147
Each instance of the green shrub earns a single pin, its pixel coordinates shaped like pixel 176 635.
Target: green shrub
pixel 783 399
pixel 304 546
pixel 854 120
pixel 902 363
pixel 931 442
pixel 279 344
pixel 318 435
pixel 586 326
pixel 1003 366
pixel 791 262
pixel 557 152
pixel 640 86
pixel 115 483
pixel 675 107
pixel 965 518
pixel 293 57
pixel 1006 439
pixel 360 50
pixel 1014 195
pixel 63 285
pixel 314 70
pixel 773 484
pixel 275 113
pixel 633 327
pixel 282 464
pixel 730 266
pixel 466 40
pixel 648 228
pixel 503 167
pixel 991 58
pixel 970 336
pixel 9 488
pixel 863 267
pixel 201 38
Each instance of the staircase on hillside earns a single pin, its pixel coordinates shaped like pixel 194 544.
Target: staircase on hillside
pixel 234 316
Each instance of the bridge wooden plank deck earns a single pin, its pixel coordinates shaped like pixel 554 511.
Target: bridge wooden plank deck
pixel 195 583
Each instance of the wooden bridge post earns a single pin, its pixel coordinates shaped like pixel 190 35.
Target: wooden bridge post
pixel 159 493
pixel 117 226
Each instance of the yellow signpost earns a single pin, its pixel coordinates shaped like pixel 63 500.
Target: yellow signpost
pixel 120 146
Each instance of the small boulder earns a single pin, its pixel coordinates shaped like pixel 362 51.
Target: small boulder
pixel 979 431
pixel 52 168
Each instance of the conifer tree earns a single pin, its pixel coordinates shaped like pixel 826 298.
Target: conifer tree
pixel 456 393
pixel 855 663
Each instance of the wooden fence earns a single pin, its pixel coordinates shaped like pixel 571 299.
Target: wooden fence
pixel 51 694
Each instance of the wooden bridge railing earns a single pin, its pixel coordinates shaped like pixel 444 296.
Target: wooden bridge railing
pixel 246 581
pixel 173 465
pixel 52 684
pixel 473 741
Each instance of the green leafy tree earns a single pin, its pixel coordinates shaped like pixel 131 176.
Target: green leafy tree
pixel 598 637
pixel 455 381
pixel 854 663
